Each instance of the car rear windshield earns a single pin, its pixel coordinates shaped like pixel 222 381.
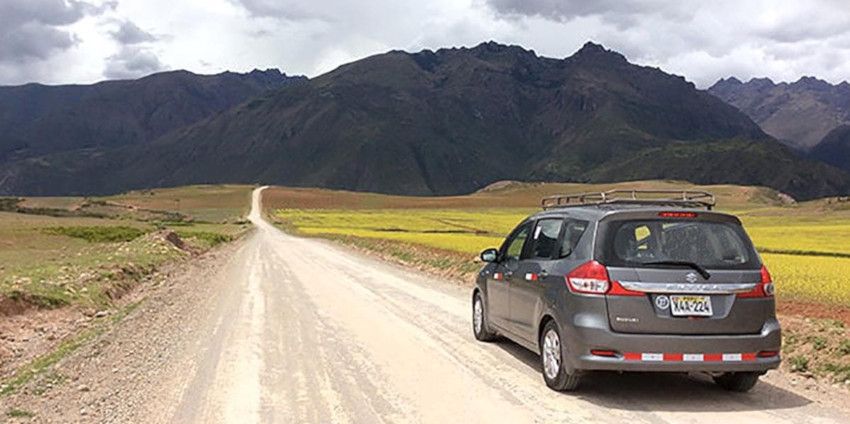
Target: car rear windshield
pixel 717 245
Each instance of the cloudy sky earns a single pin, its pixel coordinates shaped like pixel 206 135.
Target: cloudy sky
pixel 82 41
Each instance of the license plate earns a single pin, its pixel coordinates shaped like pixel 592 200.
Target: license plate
pixel 686 306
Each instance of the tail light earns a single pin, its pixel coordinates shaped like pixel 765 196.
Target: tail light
pixel 589 278
pixel 764 288
pixel 592 278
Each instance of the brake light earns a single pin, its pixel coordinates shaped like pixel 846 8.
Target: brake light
pixel 592 278
pixel 589 278
pixel 765 287
pixel 677 214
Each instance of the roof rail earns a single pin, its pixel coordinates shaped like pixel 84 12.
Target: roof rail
pixel 680 198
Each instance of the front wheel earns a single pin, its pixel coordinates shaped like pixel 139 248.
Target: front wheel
pixel 479 320
pixel 737 381
pixel 551 356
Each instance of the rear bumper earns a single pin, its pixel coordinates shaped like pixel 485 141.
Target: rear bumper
pixel 670 353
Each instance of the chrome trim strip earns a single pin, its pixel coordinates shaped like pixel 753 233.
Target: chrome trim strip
pixel 701 288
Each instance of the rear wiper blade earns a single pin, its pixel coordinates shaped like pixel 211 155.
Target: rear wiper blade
pixel 695 266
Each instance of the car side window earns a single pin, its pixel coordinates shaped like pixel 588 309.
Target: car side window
pixel 516 242
pixel 575 228
pixel 545 238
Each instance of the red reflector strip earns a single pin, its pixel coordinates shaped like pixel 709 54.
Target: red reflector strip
pixel 531 276
pixel 497 275
pixel 605 353
pixel 673 357
pixel 689 357
pixel 631 356
pixel 713 357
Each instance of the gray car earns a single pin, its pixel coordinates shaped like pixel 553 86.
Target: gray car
pixel 631 281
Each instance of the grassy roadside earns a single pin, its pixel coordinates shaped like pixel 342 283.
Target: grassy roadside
pixel 85 252
pixel 805 246
pixel 40 367
pixel 67 263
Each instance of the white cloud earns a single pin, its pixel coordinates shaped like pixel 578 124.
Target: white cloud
pixel 33 31
pixel 132 62
pixel 705 41
pixel 130 33
pixel 76 41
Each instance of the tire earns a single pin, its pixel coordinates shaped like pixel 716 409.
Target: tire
pixel 737 381
pixel 480 327
pixel 551 361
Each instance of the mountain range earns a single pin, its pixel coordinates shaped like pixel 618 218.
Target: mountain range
pixel 37 119
pixel 429 123
pixel 799 114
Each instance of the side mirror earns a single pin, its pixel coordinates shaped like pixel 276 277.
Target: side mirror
pixel 490 255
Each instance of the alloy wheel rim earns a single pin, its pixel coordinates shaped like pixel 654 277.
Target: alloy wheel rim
pixel 477 315
pixel 551 354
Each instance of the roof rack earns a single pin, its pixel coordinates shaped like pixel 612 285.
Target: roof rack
pixel 680 198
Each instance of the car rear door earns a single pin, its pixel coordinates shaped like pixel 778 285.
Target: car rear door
pixel 654 291
pixel 531 274
pixel 499 281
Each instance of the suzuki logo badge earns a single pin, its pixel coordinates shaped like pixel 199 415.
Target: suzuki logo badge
pixel 691 278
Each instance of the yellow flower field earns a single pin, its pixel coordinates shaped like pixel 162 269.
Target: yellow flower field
pixel 808 273
pixel 810 278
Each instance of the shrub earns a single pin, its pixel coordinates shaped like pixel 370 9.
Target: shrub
pixel 207 238
pixel 98 234
pixel 844 348
pixel 799 363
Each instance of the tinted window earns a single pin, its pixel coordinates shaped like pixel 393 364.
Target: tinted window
pixel 710 244
pixel 575 229
pixel 515 243
pixel 546 238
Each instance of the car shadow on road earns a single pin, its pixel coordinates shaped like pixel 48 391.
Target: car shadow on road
pixel 665 392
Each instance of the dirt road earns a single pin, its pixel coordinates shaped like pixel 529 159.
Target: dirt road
pixel 296 330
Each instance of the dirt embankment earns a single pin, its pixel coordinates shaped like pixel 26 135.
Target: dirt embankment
pixel 28 328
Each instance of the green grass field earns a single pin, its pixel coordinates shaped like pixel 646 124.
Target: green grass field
pixel 806 246
pixel 56 251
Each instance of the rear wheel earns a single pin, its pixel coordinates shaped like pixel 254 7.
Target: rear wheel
pixel 551 357
pixel 737 381
pixel 479 320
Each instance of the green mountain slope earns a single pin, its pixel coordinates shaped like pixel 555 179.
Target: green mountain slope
pixel 38 119
pixel 835 148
